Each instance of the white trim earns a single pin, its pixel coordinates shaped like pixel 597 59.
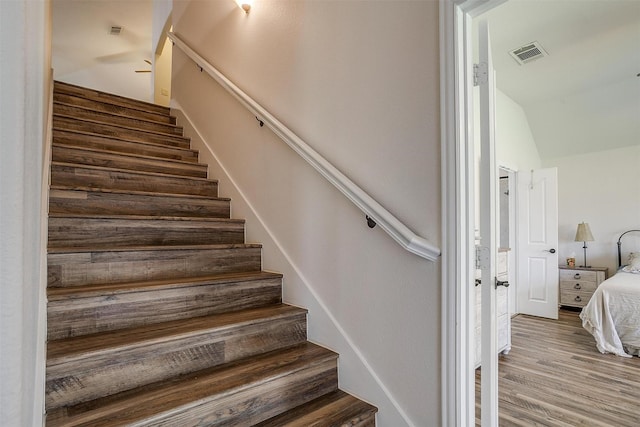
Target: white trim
pixel 389 223
pixel 458 383
pixel 458 398
pixel 354 348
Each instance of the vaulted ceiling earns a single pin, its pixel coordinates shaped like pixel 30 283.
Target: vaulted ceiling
pixel 585 95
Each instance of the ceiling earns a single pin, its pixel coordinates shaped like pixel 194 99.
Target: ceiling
pixel 583 97
pixel 84 52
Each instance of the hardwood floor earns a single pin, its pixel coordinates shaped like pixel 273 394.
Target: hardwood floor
pixel 555 376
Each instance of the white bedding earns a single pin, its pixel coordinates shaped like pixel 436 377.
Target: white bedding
pixel 612 315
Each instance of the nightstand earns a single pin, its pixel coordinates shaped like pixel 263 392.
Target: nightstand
pixel 577 284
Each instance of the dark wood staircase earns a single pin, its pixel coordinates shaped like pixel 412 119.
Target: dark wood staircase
pixel 159 313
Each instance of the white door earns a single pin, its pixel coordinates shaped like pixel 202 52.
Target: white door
pixel 537 229
pixel 488 230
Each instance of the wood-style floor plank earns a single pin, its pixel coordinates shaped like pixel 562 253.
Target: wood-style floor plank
pixel 555 376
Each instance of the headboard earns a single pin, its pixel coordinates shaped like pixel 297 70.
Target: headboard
pixel 620 246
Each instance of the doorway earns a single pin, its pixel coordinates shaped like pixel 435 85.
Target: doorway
pixel 458 162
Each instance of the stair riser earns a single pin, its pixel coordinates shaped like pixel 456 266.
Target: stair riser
pixel 112 109
pixel 72 124
pixel 97 142
pixel 60 87
pixel 79 232
pixel 82 316
pixel 256 404
pixel 76 269
pixel 95 203
pixel 85 178
pixel 95 376
pixel 113 160
pixel 99 116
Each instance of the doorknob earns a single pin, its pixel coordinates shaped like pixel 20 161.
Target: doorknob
pixel 553 251
pixel 504 283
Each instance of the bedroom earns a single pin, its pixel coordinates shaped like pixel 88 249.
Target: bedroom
pixel 578 111
pixel 582 120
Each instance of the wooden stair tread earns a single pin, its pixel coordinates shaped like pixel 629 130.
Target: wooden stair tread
pixel 111 98
pixel 334 409
pixel 86 291
pixel 137 193
pixel 88 150
pixel 126 160
pixel 65 123
pixel 115 125
pixel 112 114
pixel 193 389
pixel 149 217
pixel 98 307
pixel 126 232
pixel 79 249
pixel 112 342
pixel 61 132
pixel 72 176
pixel 108 201
pixel 133 172
pixel 77 100
pixel 134 155
pixel 80 266
pixel 85 113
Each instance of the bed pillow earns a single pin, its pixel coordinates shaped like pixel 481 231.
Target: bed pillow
pixel 634 263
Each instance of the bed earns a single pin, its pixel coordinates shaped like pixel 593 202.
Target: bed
pixel 612 315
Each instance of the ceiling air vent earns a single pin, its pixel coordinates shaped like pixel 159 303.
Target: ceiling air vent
pixel 115 30
pixel 527 53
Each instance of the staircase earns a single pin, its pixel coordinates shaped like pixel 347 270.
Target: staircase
pixel 158 311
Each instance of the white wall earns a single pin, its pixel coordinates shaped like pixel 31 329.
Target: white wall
pixel 162 74
pixel 25 62
pixel 359 82
pixel 161 13
pixel 603 189
pixel 162 48
pixel 515 146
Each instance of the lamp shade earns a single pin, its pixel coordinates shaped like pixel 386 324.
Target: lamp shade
pixel 583 233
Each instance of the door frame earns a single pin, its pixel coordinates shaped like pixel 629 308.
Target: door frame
pixel 458 251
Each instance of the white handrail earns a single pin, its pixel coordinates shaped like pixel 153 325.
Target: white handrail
pixel 382 217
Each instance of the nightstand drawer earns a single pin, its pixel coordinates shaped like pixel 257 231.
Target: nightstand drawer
pixel 591 276
pixel 578 285
pixel 574 298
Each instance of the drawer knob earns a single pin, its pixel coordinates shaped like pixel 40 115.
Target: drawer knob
pixel 577 286
pixel 576 276
pixel 578 299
